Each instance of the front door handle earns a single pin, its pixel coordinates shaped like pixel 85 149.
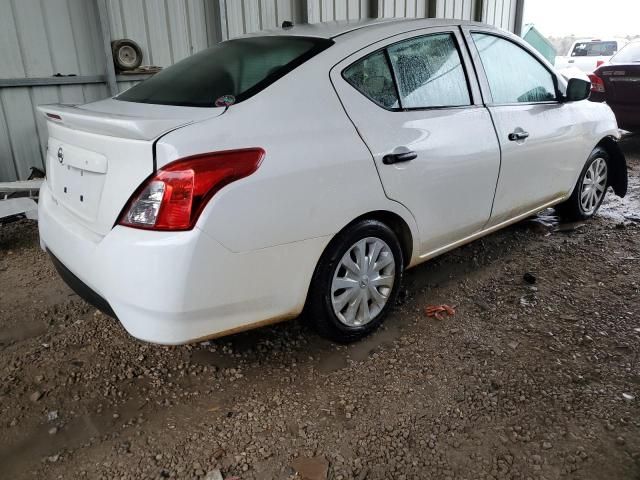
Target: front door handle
pixel 399 157
pixel 518 135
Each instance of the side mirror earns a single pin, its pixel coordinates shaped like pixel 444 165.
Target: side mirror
pixel 577 89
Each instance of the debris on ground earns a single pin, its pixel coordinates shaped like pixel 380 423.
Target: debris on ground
pixel 439 311
pixel 35 396
pixel 311 468
pixel 528 300
pixel 543 223
pixel 570 227
pixel 529 278
pixel 214 474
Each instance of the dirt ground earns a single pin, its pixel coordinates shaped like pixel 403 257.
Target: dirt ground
pixel 525 381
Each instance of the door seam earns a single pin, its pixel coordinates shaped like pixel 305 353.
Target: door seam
pixel 371 155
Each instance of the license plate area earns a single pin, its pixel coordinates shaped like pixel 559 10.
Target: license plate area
pixel 76 178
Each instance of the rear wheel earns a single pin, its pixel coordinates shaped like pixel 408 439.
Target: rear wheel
pixel 356 282
pixel 590 189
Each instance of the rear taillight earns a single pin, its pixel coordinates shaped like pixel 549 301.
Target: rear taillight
pixel 599 63
pixel 597 84
pixel 174 197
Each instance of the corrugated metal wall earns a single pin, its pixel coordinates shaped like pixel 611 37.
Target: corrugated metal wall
pixel 41 38
pixel 501 13
pixel 328 10
pixel 403 8
pixel 459 9
pixel 245 16
pixel 167 31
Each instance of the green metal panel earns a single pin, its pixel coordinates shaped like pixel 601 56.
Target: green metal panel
pixel 539 42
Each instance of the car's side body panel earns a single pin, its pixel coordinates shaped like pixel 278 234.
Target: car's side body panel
pixel 317 175
pixel 543 168
pixel 449 187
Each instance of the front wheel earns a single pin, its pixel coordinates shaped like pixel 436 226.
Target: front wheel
pixel 590 189
pixel 356 281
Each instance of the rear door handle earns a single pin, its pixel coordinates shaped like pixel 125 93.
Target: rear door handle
pixel 399 157
pixel 518 135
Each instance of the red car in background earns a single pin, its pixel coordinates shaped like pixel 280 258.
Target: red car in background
pixel 618 84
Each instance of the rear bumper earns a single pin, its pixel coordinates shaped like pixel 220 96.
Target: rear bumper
pixel 628 116
pixel 177 287
pixel 81 288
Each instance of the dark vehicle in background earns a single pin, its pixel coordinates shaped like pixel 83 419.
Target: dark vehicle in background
pixel 618 84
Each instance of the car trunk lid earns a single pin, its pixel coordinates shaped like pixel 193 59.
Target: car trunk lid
pixel 98 154
pixel 622 83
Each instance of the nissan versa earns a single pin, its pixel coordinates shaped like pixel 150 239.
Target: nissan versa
pixel 307 168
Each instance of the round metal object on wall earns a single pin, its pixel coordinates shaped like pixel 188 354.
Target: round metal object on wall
pixel 127 54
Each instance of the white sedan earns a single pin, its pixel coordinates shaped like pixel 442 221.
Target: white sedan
pixel 307 168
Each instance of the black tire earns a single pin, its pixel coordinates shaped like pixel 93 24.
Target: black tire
pixel 320 309
pixel 572 208
pixel 127 54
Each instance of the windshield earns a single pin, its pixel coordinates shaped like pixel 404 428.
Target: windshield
pixel 629 54
pixel 228 73
pixel 594 49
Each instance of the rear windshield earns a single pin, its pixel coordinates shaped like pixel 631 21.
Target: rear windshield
pixel 629 54
pixel 594 49
pixel 228 73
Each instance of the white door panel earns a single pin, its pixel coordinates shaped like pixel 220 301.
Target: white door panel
pixel 540 168
pixel 449 186
pixel 539 136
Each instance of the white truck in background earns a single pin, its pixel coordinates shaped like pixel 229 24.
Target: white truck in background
pixel 589 54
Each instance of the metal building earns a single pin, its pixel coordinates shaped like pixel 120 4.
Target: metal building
pixel 58 51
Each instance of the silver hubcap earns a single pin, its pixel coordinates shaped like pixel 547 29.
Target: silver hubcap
pixel 594 186
pixel 363 282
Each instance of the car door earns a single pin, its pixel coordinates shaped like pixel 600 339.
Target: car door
pixel 418 110
pixel 539 136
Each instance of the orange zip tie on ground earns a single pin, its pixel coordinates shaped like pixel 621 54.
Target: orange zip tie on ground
pixel 437 311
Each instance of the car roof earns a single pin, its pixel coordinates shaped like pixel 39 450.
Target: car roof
pixel 334 29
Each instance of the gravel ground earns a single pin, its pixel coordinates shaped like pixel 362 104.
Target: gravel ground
pixel 525 381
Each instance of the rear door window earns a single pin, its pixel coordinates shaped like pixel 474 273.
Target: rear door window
pixel 229 72
pixel 371 77
pixel 422 72
pixel 429 72
pixel 594 49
